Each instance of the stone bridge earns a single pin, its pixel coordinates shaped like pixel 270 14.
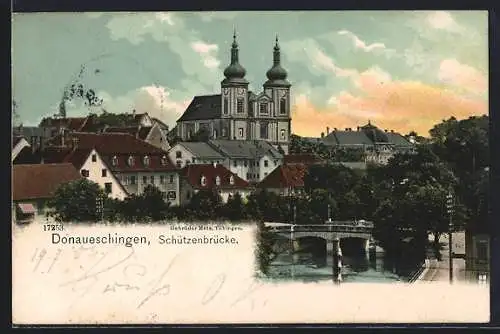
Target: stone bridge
pixel 331 231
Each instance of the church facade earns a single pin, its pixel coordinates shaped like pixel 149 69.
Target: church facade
pixel 239 114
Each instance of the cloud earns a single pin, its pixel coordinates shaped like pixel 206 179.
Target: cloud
pixel 462 76
pixel 442 20
pixel 358 43
pixel 197 59
pixel 399 105
pixel 207 52
pixel 210 16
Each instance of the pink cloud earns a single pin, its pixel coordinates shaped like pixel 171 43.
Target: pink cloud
pixel 462 76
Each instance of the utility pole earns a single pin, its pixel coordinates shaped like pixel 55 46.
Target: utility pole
pixel 449 210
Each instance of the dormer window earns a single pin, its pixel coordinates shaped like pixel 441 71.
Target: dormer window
pixel 163 160
pixel 145 161
pixel 130 160
pixel 114 160
pixel 203 181
pixel 217 180
pixel 231 180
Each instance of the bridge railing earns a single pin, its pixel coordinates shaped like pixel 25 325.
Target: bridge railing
pixel 321 228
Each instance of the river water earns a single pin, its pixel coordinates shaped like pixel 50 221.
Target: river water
pixel 357 267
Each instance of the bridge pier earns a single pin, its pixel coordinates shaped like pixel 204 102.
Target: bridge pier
pixel 337 261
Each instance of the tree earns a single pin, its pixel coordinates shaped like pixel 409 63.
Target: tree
pixel 234 209
pixel 263 249
pixel 153 203
pixel 77 201
pixel 205 204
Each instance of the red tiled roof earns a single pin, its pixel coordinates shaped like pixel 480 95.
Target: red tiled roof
pixel 72 123
pixel 285 176
pixel 37 181
pixel 302 158
pixel 139 132
pixel 194 173
pixel 115 149
pixel 77 157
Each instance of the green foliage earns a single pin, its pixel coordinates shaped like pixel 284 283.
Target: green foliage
pixel 235 209
pixel 76 201
pixel 205 204
pixel 263 249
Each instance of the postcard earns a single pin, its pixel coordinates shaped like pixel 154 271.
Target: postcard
pixel 250 167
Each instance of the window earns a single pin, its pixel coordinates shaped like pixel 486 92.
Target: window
pixel 226 106
pixel 263 108
pixel 130 161
pixel 162 179
pixel 224 132
pixel 240 132
pixel 108 187
pixel 257 163
pixel 194 159
pixel 94 157
pixel 231 180
pixel 217 180
pixel 188 162
pixel 179 164
pixel 235 163
pixel 171 179
pixel 178 154
pixel 188 194
pixel 282 133
pixel 203 181
pixel 245 163
pixel 164 160
pixel 248 176
pixel 264 133
pixel 85 172
pixel 482 252
pixel 152 179
pixel 114 161
pixel 144 179
pixel 276 162
pixel 239 105
pixel 132 179
pixel 265 174
pixel 104 173
pixel 266 163
pixel 283 106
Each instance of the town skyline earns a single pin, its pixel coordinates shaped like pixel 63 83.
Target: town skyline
pixel 343 73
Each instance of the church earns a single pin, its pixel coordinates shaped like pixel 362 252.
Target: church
pixel 239 114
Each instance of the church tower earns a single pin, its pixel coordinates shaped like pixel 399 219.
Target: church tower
pixel 278 88
pixel 234 94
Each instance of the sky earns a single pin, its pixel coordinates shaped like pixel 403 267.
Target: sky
pixel 400 70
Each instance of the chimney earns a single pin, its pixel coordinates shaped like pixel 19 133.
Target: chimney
pixel 327 130
pixel 322 135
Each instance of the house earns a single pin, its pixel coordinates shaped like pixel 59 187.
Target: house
pixel 211 177
pixel 375 145
pixel 285 180
pixel 54 125
pixel 34 184
pixel 91 165
pixel 235 113
pixel 251 160
pixel 18 144
pixel 185 153
pixel 135 163
pixel 150 134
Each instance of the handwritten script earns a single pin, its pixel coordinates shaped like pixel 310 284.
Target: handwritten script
pixel 98 274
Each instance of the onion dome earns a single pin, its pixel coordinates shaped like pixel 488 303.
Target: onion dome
pixel 234 72
pixel 277 75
